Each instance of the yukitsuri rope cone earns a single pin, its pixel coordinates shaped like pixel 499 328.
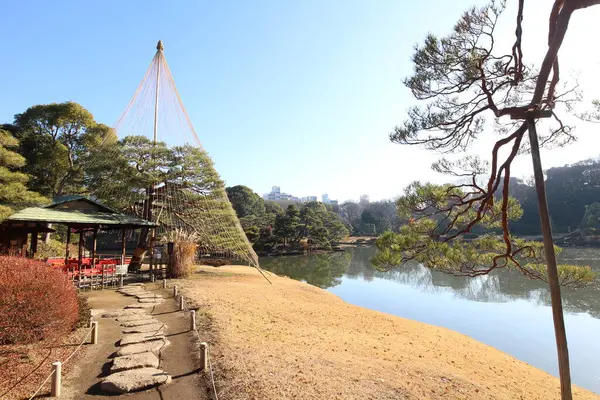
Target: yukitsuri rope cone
pixel 153 166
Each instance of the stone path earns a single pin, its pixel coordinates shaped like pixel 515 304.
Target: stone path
pixel 137 361
pixel 177 358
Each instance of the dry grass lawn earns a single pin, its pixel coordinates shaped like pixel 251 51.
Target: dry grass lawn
pixel 24 367
pixel 291 340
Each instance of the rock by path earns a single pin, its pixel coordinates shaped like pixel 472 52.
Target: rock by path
pixel 140 360
pixel 132 338
pixel 148 321
pixel 158 327
pixel 155 346
pixel 148 296
pixel 134 380
pixel 151 301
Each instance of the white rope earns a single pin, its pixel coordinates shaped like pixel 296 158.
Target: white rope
pixel 42 385
pixel 80 344
pixel 203 211
pixel 64 362
pixel 212 378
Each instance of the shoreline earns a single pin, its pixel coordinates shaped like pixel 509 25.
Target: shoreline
pixel 304 342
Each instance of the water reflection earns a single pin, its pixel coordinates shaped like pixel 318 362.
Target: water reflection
pixel 321 270
pixel 327 270
pixel 504 309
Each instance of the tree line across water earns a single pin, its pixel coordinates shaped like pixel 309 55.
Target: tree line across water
pixel 46 150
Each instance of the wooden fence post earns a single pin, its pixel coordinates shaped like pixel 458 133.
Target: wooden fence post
pixel 193 320
pixel 94 332
pixel 204 356
pixel 56 379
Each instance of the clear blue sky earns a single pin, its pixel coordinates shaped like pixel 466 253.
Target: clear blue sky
pixel 298 94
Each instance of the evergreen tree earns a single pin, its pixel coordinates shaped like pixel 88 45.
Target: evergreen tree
pixel 13 184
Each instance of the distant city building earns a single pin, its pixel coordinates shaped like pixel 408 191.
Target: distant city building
pixel 276 194
pixel 333 202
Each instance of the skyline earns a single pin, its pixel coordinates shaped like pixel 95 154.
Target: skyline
pixel 304 94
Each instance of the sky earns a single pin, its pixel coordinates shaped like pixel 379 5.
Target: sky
pixel 297 94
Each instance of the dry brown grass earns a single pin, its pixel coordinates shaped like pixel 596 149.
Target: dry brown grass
pixel 24 367
pixel 293 340
pixel 184 252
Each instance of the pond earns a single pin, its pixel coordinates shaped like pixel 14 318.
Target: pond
pixel 504 310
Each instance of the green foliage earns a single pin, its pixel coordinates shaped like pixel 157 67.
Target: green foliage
pixel 273 208
pixel 369 218
pixel 14 192
pixel 590 223
pixel 56 139
pixel 425 239
pixel 53 248
pixel 266 224
pixel 245 202
pixel 286 225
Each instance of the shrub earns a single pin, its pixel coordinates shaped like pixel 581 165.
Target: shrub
pixel 184 252
pixel 36 301
pixel 53 248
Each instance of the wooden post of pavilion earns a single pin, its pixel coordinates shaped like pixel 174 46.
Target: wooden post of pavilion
pixel 94 247
pixel 34 242
pixel 80 258
pixel 68 242
pixel 123 245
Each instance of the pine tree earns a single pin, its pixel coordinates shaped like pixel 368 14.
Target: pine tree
pixel 13 184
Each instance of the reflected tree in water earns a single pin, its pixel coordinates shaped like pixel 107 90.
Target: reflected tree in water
pixel 321 270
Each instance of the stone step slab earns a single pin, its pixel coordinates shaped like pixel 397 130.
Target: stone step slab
pixel 134 380
pixel 133 338
pixel 141 322
pixel 139 306
pixel 140 360
pixel 154 346
pixel 148 296
pixel 135 284
pixel 132 317
pixel 145 328
pixel 132 292
pixel 122 313
pixel 151 301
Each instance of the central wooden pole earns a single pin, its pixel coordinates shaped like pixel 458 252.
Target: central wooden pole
pixel 555 295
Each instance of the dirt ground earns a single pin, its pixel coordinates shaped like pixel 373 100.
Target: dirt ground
pixel 293 340
pixel 24 367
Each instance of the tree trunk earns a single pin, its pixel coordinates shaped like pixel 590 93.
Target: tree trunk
pixel 46 235
pixel 557 309
pixel 143 242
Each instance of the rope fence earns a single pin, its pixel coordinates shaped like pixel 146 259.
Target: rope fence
pixel 93 329
pixel 205 355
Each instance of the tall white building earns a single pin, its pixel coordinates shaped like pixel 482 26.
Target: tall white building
pixel 325 198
